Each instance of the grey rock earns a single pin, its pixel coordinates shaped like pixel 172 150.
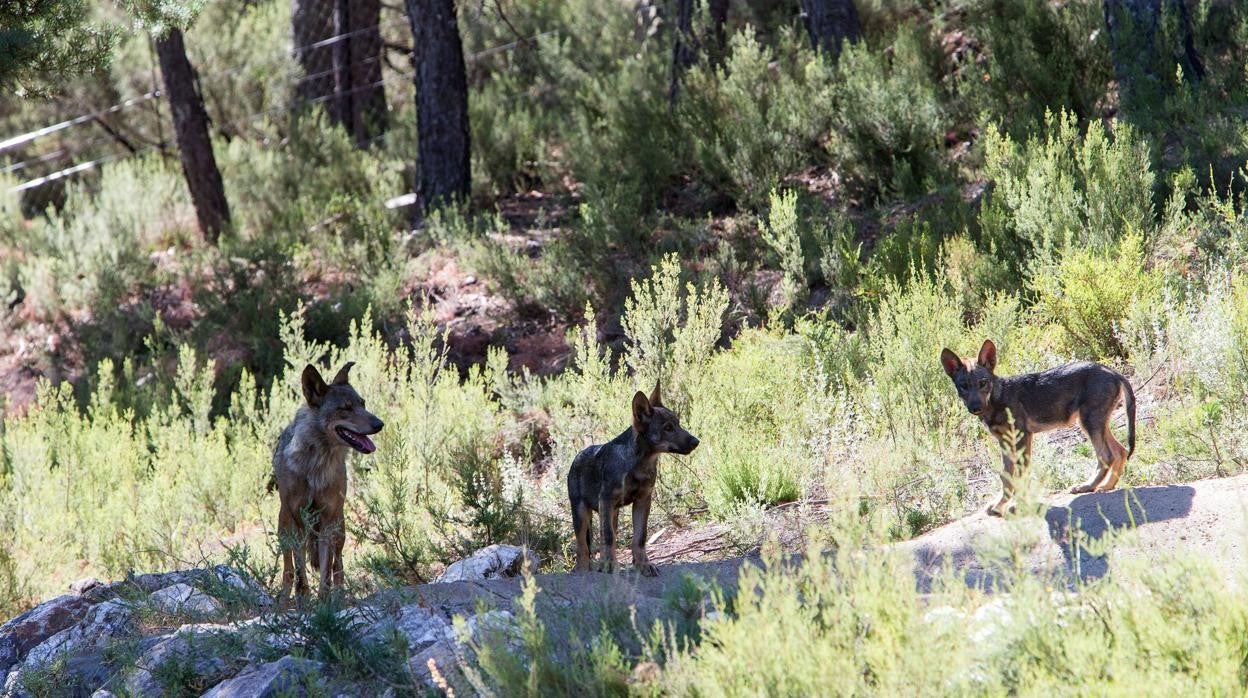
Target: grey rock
pixel 28 630
pixel 440 657
pixel 84 585
pixel 287 676
pixel 200 651
pixel 246 588
pixel 490 562
pixel 102 623
pixel 184 599
pixel 420 625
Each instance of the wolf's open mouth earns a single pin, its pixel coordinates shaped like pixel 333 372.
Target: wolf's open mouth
pixel 356 440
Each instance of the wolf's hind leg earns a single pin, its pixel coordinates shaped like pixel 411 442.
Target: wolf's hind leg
pixel 1117 463
pixel 1096 426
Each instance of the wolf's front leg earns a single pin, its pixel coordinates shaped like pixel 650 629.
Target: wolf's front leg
pixel 1006 503
pixel 608 515
pixel 641 516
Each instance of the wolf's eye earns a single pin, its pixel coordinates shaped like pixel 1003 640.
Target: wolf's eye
pixel 667 427
pixel 983 384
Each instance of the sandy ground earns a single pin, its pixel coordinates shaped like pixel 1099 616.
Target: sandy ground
pixel 1081 536
pixel 1076 537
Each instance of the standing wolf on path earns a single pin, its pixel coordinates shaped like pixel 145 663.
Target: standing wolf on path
pixel 1082 392
pixel 310 473
pixel 605 477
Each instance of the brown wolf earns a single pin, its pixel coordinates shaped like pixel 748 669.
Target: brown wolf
pixel 605 477
pixel 310 473
pixel 1082 392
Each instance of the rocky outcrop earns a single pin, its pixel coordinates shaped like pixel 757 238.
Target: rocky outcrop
pixel 214 632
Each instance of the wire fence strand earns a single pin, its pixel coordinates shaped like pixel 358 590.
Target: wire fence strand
pixel 287 107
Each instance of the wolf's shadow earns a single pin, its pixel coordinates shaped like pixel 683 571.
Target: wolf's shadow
pixel 1080 528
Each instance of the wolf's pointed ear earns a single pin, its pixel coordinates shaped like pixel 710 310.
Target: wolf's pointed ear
pixel 950 362
pixel 314 387
pixel 655 399
pixel 987 355
pixel 642 410
pixel 341 378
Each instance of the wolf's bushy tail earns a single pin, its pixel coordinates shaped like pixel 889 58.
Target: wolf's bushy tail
pixel 1130 403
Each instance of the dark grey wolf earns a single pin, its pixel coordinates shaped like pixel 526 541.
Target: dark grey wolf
pixel 605 477
pixel 310 474
pixel 1082 392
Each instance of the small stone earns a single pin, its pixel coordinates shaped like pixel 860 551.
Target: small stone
pixel 490 562
pixel 84 585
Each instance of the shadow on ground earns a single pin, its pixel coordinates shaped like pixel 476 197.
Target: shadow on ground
pixel 1081 527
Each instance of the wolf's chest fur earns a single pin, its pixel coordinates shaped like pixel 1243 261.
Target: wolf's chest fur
pixel 309 461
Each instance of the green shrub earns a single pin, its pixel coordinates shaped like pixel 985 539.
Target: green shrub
pixel 1090 294
pixel 1040 57
pixel 889 119
pixel 672 331
pixel 751 122
pixel 624 148
pixel 781 234
pixel 1065 189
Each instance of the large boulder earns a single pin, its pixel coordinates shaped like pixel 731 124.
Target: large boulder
pixel 80 644
pixel 27 631
pixel 419 625
pixel 491 562
pixel 101 624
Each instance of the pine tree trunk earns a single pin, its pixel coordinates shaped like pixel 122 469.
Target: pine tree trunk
pixel 367 114
pixel 684 51
pixel 190 123
pixel 344 74
pixel 1142 64
pixel 312 21
pixel 719 40
pixel 831 23
pixel 442 162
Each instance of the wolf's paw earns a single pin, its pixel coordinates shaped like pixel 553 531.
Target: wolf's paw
pixel 648 570
pixel 1105 488
pixel 607 567
pixel 1081 489
pixel 1002 507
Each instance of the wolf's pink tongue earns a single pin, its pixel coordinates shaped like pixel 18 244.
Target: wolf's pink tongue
pixel 367 443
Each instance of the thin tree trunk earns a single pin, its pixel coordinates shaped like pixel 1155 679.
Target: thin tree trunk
pixel 312 21
pixel 684 49
pixel 719 40
pixel 1136 44
pixel 442 162
pixel 190 123
pixel 368 95
pixel 340 106
pixel 345 73
pixel 831 23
